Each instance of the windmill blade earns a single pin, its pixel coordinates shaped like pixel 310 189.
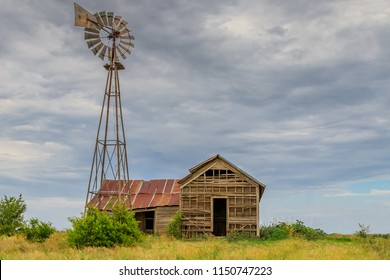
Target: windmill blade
pixel 121 53
pixel 125 31
pixel 103 16
pixel 110 17
pixel 122 25
pixel 99 20
pixel 83 18
pixel 117 19
pixel 90 30
pixel 127 37
pixel 91 36
pixel 91 43
pixel 103 53
pixel 127 43
pixel 125 49
pixel 97 48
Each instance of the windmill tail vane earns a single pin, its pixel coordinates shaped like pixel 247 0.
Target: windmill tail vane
pixel 84 18
pixel 108 37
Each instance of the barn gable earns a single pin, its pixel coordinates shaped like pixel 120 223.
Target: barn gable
pixel 217 162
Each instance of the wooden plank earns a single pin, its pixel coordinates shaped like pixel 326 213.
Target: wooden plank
pixel 163 217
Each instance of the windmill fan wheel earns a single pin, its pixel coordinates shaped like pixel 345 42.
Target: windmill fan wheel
pixel 110 33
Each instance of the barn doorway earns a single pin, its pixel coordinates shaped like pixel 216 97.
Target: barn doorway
pixel 219 216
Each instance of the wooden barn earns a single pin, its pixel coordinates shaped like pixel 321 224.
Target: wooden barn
pixel 215 198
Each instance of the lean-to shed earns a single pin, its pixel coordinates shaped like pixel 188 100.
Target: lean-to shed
pixel 154 202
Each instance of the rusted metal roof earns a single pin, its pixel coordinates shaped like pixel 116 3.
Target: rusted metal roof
pixel 142 194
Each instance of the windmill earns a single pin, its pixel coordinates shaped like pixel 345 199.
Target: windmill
pixel 108 38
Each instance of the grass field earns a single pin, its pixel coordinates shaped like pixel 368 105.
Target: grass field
pixel 333 247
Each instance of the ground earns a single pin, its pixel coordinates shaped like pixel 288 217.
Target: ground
pixel 333 247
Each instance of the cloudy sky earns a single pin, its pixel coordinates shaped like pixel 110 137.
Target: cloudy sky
pixel 296 93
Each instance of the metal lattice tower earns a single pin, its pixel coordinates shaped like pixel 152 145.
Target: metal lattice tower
pixel 107 36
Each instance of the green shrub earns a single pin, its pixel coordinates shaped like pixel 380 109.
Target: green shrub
pixel 95 229
pixel 272 232
pixel 379 235
pixel 126 226
pixel 38 231
pixel 100 229
pixel 11 215
pixel 174 227
pixel 282 230
pixel 236 235
pixel 301 230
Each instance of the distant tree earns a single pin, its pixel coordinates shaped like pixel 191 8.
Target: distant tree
pixel 363 230
pixel 11 215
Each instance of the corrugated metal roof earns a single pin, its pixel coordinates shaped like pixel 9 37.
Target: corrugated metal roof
pixel 143 194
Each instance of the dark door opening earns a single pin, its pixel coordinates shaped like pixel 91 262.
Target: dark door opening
pixel 146 221
pixel 219 216
pixel 149 222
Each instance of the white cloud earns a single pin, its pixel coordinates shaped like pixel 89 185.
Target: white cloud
pixel 24 160
pixel 373 192
pixel 47 203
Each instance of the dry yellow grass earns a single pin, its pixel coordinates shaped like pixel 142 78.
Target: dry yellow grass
pixel 164 248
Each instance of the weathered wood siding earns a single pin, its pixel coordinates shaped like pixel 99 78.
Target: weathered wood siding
pixel 242 199
pixel 163 217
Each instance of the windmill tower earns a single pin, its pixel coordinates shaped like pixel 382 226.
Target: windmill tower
pixel 108 38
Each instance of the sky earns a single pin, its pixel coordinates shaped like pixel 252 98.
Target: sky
pixel 296 93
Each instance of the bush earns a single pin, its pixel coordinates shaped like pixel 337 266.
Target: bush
pixel 38 231
pixel 100 229
pixel 282 230
pixel 174 227
pixel 236 235
pixel 301 230
pixel 11 215
pixel 126 226
pixel 273 232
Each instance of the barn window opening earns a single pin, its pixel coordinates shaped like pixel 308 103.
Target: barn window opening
pixel 218 172
pixel 219 216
